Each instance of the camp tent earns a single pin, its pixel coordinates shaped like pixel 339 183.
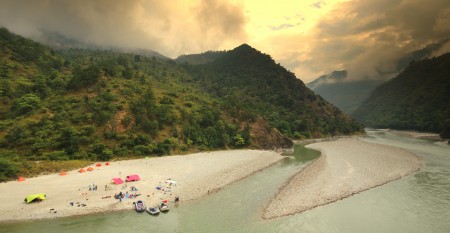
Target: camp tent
pixel 81 170
pixel 35 197
pixel 117 181
pixel 107 163
pixel 63 173
pixel 90 169
pixel 21 178
pixel 132 178
pixel 98 165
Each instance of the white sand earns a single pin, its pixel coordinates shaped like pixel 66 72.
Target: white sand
pixel 346 167
pixel 196 175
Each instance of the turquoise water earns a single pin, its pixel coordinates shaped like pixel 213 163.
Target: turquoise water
pixel 416 203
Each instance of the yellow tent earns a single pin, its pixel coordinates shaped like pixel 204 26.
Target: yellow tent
pixel 32 197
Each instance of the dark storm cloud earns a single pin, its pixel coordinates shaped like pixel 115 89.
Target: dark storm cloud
pixel 219 20
pixel 369 38
pixel 151 24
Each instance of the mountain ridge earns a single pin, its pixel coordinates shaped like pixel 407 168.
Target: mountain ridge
pixel 416 99
pixel 74 106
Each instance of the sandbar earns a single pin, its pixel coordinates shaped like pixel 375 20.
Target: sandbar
pixel 346 166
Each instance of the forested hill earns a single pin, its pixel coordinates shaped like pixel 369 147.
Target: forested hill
pixel 252 85
pixel 63 109
pixel 417 99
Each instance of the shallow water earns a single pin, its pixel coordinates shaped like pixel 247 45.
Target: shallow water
pixel 416 203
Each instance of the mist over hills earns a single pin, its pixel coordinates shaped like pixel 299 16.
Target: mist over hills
pixel 348 94
pixel 416 99
pixel 72 105
pixel 58 41
pixel 345 94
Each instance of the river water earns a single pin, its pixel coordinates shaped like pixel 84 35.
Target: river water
pixel 417 203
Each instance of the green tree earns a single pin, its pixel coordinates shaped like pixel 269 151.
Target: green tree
pixel 238 140
pixel 84 77
pixel 8 169
pixel 26 104
pixel 69 141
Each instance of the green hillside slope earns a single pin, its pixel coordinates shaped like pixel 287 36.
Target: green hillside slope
pixel 252 85
pixel 417 99
pixel 62 109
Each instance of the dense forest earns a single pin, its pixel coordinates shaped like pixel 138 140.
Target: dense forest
pixel 64 109
pixel 417 99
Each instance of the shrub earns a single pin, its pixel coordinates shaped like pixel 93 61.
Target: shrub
pixel 58 155
pixel 8 170
pixel 143 150
pixel 26 104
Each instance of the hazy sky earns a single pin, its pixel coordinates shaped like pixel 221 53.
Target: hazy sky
pixel 309 37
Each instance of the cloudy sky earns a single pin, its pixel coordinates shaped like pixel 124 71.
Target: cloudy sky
pixel 309 37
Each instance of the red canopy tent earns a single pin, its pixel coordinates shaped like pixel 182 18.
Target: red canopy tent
pixel 21 178
pixel 63 173
pixel 90 169
pixel 117 181
pixel 98 165
pixel 81 170
pixel 107 163
pixel 132 178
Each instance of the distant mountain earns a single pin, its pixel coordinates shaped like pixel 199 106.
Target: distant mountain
pixel 71 106
pixel 58 41
pixel 417 99
pixel 345 94
pixel 348 95
pixel 202 58
pixel 333 77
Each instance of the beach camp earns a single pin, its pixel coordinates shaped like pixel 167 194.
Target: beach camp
pixel 131 178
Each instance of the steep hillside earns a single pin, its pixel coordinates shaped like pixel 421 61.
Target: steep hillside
pixel 251 84
pixel 347 95
pixel 59 109
pixel 417 99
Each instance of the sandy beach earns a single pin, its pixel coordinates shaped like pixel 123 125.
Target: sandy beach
pixel 345 167
pixel 195 175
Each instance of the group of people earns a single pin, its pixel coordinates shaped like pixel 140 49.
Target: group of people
pixel 93 187
pixel 122 195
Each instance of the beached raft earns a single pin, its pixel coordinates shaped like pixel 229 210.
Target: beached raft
pixel 163 207
pixel 139 206
pixel 153 210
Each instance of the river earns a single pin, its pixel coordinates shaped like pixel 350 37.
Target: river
pixel 416 203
